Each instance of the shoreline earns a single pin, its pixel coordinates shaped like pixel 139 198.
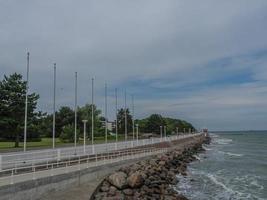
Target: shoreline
pixel 153 178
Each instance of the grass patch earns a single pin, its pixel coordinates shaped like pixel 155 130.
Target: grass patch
pixel 47 142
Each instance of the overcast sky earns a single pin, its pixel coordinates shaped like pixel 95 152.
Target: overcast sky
pixel 203 61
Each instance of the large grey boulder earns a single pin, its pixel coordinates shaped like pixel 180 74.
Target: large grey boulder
pixel 118 180
pixel 135 180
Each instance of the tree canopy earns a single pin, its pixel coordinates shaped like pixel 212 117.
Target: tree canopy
pixel 152 124
pixel 12 108
pixel 121 121
pixel 12 111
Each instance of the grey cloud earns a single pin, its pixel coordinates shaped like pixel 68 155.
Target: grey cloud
pixel 116 41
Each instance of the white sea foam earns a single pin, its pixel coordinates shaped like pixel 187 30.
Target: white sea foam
pixel 223 191
pixel 229 190
pixel 234 154
pixel 255 183
pixel 250 180
pixel 231 154
pixel 196 157
pixel 205 148
pixel 223 141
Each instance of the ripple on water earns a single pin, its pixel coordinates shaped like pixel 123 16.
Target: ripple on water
pixel 220 176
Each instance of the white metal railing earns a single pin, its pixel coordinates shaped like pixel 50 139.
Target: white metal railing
pixel 11 176
pixel 34 157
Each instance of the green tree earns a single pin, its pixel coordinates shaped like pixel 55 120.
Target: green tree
pixel 121 121
pixel 12 105
pixel 153 123
pixel 85 112
pixel 67 134
pixel 64 116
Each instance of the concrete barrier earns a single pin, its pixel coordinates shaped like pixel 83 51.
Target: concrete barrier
pixel 41 188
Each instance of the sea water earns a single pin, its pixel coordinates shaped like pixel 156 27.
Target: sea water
pixel 234 166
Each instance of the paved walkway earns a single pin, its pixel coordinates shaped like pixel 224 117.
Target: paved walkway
pixel 84 191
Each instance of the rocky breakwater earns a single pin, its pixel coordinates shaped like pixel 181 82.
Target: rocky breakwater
pixel 149 179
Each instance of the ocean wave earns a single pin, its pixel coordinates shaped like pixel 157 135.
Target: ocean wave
pixel 256 184
pixel 211 186
pixel 205 148
pixel 223 141
pixel 250 180
pixel 196 157
pixel 231 154
pixel 215 180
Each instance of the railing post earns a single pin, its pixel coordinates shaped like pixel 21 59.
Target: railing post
pixel 15 167
pixel 67 167
pixel 58 155
pixel 93 149
pixel 79 162
pixel 12 177
pixel 51 172
pixel 33 175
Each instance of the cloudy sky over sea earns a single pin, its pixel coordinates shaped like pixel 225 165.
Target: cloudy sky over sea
pixel 203 61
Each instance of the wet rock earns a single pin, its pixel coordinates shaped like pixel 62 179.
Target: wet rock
pixel 150 179
pixel 128 192
pixel 135 180
pixel 104 189
pixel 112 191
pixel 181 197
pixel 118 180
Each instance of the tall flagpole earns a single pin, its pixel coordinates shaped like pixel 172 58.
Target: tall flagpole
pixel 125 116
pixel 116 111
pixel 75 111
pixel 93 115
pixel 26 103
pixel 133 114
pixel 106 122
pixel 54 107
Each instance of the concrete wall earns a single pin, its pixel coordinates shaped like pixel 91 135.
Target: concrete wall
pixel 37 189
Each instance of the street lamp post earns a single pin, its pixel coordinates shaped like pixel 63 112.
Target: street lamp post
pixel 75 113
pixel 106 122
pixel 133 119
pixel 26 103
pixel 54 106
pixel 125 117
pixel 116 112
pixel 84 134
pixel 93 148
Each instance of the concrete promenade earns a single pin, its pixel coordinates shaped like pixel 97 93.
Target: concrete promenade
pixel 33 157
pixel 79 179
